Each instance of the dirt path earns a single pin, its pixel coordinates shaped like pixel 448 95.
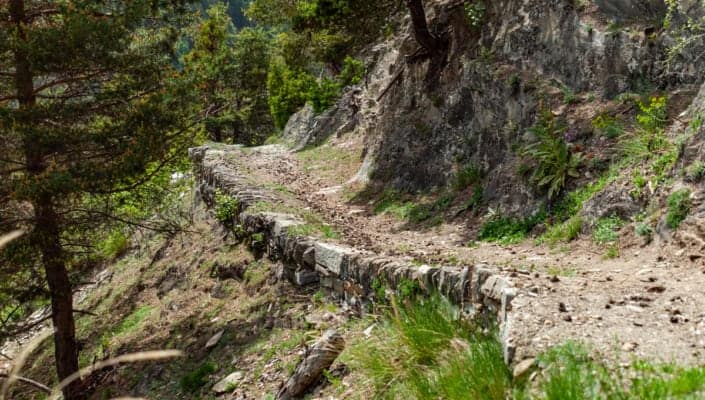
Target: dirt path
pixel 642 303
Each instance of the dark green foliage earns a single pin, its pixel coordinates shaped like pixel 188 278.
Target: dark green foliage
pixel 475 12
pixel 193 381
pixel 230 71
pixel 323 94
pixel 288 91
pixel 554 161
pixel 679 205
pixel 507 230
pixel 352 73
pixel 470 174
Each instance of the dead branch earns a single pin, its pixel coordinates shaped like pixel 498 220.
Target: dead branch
pixel 310 369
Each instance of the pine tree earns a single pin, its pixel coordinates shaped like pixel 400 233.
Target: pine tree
pixel 89 101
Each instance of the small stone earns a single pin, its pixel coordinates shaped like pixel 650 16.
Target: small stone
pixel 228 383
pixel 554 279
pixel 214 340
pixel 656 289
pixel 523 367
pixel 567 318
pixel 562 307
pixel 630 346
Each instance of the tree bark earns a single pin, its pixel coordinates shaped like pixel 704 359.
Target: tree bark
pixel 421 33
pixel 47 232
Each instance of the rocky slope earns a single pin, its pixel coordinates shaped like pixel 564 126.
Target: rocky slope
pixel 572 58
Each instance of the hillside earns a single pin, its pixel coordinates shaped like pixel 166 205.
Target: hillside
pixel 338 200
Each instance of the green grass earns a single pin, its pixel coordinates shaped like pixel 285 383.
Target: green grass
pixel 114 245
pixel 134 321
pixel 679 205
pixel 696 171
pixel 561 271
pixel 606 230
pixel 422 350
pixel 508 230
pixel 396 204
pixel 563 232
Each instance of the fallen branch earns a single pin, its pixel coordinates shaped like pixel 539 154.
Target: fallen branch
pixel 30 382
pixel 310 369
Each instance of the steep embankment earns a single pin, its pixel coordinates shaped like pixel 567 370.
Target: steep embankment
pixel 632 303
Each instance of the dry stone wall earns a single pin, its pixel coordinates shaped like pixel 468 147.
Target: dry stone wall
pixel 351 274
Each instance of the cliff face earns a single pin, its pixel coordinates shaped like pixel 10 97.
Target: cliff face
pixel 528 56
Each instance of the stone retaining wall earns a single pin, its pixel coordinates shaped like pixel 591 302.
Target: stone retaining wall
pixel 351 274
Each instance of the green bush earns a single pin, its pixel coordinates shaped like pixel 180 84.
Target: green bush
pixel 653 116
pixel 606 230
pixel 352 73
pixel 507 230
pixel 226 208
pixel 193 381
pixel 563 232
pixel 607 125
pixel 696 172
pixel 323 94
pixel 470 174
pixel 679 204
pixel 116 244
pixel 288 91
pixel 550 153
pixel 475 12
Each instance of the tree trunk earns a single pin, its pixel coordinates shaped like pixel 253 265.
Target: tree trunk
pixel 65 345
pixel 421 33
pixel 47 233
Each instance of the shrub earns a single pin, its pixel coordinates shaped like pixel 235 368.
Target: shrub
pixel 352 72
pixel 552 156
pixel 644 230
pixel 226 208
pixel 608 126
pixel 323 94
pixel 696 171
pixel 193 381
pixel 507 230
pixel 470 174
pixel 563 232
pixel 606 230
pixel 653 116
pixel 650 138
pixel 475 12
pixel 116 244
pixel 288 90
pixel 679 204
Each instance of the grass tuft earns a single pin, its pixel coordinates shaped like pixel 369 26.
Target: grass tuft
pixel 679 204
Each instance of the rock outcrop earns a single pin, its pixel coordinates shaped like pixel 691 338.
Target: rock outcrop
pixel 523 58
